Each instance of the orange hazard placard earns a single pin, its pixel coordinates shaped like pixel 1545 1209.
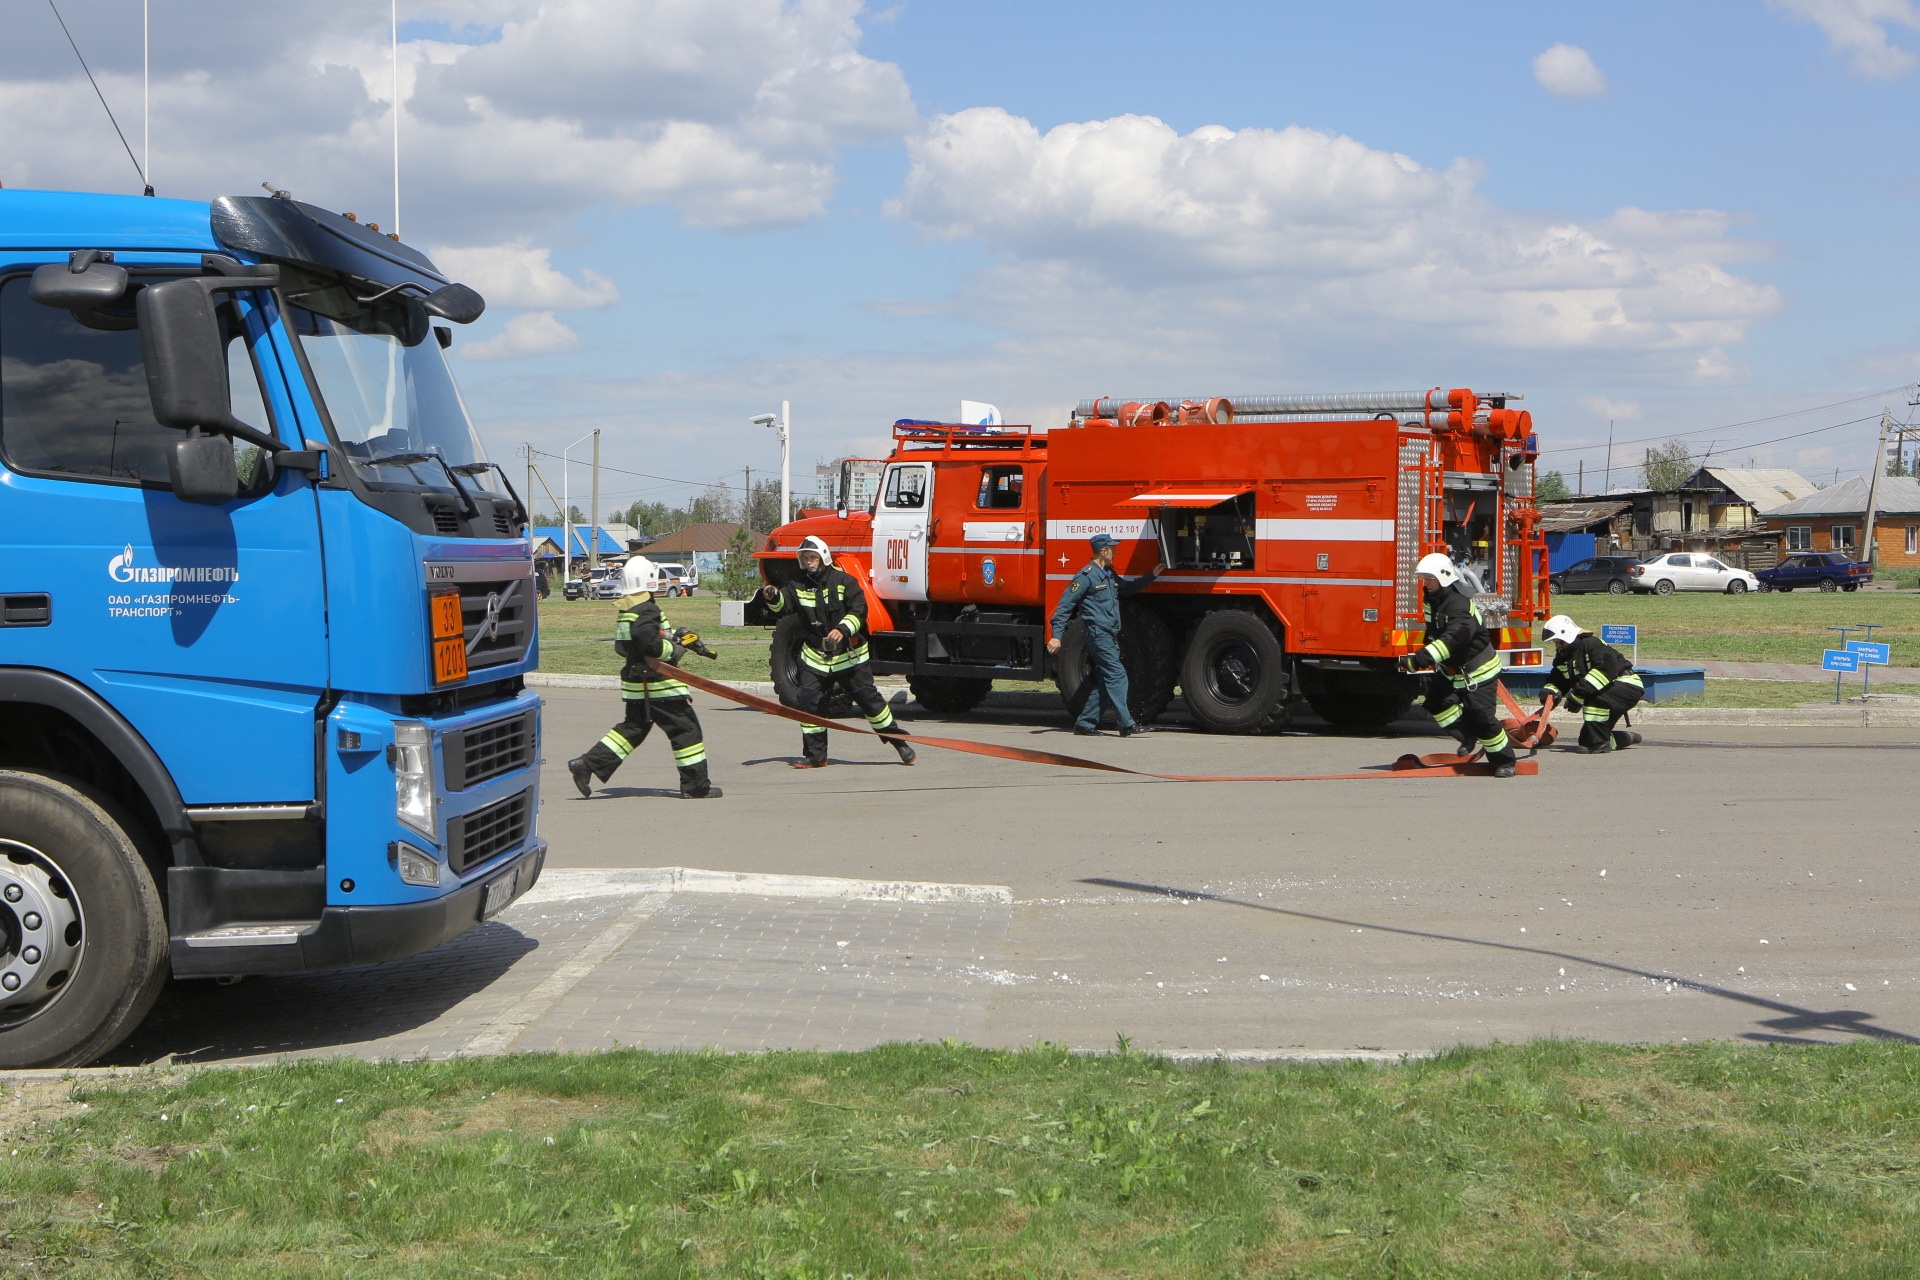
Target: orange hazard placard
pixel 449 660
pixel 445 606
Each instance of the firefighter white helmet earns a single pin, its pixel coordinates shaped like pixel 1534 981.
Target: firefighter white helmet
pixel 817 545
pixel 1439 566
pixel 640 574
pixel 1562 629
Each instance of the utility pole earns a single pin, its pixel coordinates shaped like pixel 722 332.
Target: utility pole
pixel 786 452
pixel 746 508
pixel 533 559
pixel 593 516
pixel 1873 481
pixel 1580 485
pixel 1606 478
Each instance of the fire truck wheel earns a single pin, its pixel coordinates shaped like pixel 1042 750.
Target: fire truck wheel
pixel 83 940
pixel 1147 652
pixel 785 661
pixel 1234 675
pixel 949 695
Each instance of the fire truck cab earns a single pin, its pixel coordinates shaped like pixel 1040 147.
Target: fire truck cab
pixel 1287 528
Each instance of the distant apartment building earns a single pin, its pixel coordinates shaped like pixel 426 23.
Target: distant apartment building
pixel 862 479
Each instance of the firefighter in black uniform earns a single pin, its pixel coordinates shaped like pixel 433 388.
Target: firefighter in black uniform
pixel 833 652
pixel 1596 679
pixel 1462 694
pixel 651 698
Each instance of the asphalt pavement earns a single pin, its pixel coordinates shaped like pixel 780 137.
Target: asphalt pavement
pixel 1746 882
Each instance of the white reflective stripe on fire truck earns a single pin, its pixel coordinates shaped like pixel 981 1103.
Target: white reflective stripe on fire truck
pixel 1125 530
pixel 1323 530
pixel 1155 499
pixel 995 530
pixel 984 551
pixel 1236 579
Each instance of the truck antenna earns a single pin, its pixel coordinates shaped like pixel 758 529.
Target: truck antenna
pixel 103 97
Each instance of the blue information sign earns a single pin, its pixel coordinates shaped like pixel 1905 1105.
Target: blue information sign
pixel 1869 652
pixel 1839 660
pixel 1620 635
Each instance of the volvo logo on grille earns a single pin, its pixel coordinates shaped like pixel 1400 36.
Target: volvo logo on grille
pixel 490 627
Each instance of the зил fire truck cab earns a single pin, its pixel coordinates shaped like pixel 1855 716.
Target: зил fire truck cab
pixel 1288 525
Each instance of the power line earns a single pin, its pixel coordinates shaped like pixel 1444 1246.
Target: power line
pixel 648 475
pixel 1750 422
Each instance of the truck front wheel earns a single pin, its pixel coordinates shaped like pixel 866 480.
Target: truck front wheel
pixel 1234 675
pixel 83 941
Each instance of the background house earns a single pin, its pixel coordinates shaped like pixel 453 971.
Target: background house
pixel 1834 519
pixel 606 544
pixel 703 546
pixel 1720 510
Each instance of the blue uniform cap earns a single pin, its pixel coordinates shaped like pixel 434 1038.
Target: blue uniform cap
pixel 1101 541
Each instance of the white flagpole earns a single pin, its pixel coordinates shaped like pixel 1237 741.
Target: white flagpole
pixel 393 14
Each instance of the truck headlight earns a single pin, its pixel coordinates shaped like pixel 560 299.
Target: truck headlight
pixel 414 800
pixel 414 866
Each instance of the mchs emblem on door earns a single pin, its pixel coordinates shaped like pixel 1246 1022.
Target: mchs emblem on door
pixel 986 571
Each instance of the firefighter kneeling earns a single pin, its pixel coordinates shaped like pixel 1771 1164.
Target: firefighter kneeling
pixel 1462 694
pixel 1592 676
pixel 834 650
pixel 650 698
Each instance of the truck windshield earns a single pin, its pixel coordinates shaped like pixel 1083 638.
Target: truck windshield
pixel 393 402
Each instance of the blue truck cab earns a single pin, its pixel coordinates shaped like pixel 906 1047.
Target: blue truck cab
pixel 266 611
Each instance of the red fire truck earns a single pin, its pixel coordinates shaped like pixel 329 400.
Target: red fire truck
pixel 1288 527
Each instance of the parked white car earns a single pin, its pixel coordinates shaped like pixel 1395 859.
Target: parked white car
pixel 1689 571
pixel 678 579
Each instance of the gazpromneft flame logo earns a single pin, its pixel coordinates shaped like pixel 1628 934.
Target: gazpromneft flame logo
pixel 122 569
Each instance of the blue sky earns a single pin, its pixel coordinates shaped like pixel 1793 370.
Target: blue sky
pixel 1683 217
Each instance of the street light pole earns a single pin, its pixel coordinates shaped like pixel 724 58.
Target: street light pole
pixel 566 500
pixel 781 424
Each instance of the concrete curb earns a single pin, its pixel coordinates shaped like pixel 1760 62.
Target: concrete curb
pixel 1839 717
pixel 565 884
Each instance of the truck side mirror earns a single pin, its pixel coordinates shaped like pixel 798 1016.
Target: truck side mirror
pixel 85 284
pixel 455 302
pixel 202 469
pixel 185 358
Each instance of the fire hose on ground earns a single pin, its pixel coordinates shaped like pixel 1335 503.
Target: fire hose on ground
pixel 1529 731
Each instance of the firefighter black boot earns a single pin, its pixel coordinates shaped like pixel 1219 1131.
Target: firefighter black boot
pixel 907 755
pixel 1624 738
pixel 582 775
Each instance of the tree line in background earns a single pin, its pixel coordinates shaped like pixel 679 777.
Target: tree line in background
pixel 717 504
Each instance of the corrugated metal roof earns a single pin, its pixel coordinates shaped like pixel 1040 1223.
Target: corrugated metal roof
pixel 1899 495
pixel 695 537
pixel 608 547
pixel 1763 489
pixel 1565 517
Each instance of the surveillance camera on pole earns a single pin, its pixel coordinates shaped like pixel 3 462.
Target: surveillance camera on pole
pixel 781 422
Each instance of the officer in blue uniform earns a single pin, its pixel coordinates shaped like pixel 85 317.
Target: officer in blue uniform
pixel 1094 596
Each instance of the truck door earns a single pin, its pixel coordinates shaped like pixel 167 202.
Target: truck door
pixel 204 626
pixel 900 531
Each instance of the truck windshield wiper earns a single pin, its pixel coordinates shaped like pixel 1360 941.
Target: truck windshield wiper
pixel 415 459
pixel 521 515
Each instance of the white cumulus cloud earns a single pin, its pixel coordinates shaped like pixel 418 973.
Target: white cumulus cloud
pixel 1860 29
pixel 1310 234
pixel 730 111
pixel 1567 71
pixel 531 333
pixel 522 275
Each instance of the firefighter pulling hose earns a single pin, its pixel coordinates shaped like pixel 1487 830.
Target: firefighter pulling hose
pixel 1596 679
pixel 1459 650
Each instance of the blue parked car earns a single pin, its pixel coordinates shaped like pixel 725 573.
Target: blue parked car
pixel 1821 570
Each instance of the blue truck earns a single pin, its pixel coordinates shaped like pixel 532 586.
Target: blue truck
pixel 266 611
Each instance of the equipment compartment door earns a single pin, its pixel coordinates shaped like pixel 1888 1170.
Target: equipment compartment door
pixel 900 531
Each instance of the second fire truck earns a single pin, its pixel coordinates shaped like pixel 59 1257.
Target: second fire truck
pixel 1288 526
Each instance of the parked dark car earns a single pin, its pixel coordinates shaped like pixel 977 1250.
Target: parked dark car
pixel 1815 570
pixel 1602 573
pixel 575 589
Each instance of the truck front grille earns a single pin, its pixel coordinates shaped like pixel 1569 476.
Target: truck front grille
pixel 498 620
pixel 485 833
pixel 474 755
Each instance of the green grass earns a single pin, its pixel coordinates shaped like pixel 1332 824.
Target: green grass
pixel 1545 1159
pixel 1774 627
pixel 576 638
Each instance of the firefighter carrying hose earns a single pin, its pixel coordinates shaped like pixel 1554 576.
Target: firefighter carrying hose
pixel 834 650
pixel 650 698
pixel 1462 694
pixel 1596 679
